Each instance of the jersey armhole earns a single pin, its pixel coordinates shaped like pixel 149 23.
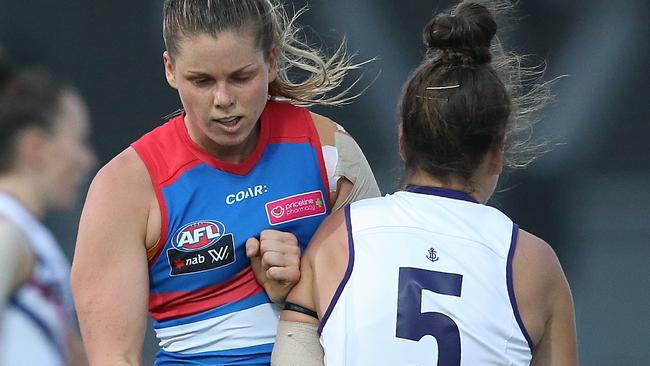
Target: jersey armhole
pixel 346 276
pixel 154 252
pixel 511 288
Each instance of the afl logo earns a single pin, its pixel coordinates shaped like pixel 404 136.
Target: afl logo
pixel 198 235
pixel 277 212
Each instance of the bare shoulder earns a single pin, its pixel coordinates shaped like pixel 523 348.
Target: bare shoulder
pixel 15 255
pixel 535 261
pixel 326 129
pixel 122 182
pixel 113 225
pixel 539 283
pixel 123 171
pixel 536 255
pixel 329 241
pixel 10 234
pixel 545 302
pixel 119 199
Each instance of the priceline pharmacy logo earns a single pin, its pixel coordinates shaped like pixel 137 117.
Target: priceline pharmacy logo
pixel 295 207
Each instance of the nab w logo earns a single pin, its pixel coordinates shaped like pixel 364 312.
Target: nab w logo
pixel 198 235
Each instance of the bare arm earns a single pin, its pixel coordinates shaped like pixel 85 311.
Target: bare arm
pixel 322 270
pixel 109 271
pixel 545 302
pixel 16 260
pixel 296 341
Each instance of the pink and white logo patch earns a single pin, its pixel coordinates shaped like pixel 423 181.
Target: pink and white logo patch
pixel 295 207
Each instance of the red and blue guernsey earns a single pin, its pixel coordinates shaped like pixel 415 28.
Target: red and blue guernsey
pixel 207 306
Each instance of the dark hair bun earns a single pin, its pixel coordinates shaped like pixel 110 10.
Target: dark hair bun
pixel 464 36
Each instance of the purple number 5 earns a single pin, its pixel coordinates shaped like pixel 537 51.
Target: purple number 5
pixel 413 324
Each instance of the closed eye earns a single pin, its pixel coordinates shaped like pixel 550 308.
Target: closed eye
pixel 241 78
pixel 201 81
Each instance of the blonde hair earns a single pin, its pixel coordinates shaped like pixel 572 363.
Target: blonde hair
pixel 272 27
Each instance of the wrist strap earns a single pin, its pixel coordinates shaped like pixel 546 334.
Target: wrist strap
pixel 300 309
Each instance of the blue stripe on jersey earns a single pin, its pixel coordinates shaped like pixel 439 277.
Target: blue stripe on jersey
pixel 40 324
pixel 348 270
pixel 255 355
pixel 247 303
pixel 511 287
pixel 186 203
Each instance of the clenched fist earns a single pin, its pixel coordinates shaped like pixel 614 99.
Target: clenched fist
pixel 275 259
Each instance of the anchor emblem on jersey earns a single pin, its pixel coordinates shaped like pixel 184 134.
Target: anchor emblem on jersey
pixel 433 255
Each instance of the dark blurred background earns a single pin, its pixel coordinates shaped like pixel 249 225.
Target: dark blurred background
pixel 588 197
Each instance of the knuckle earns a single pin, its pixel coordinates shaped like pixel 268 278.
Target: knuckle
pixel 273 273
pixel 267 257
pixel 268 245
pixel 292 257
pixel 290 238
pixel 269 233
pixel 293 252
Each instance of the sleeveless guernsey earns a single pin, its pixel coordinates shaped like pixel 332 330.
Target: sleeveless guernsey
pixel 207 306
pixel 36 321
pixel 429 282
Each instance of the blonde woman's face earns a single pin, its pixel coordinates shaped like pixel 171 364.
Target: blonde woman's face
pixel 223 85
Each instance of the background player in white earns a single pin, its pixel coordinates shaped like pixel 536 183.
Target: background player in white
pixel 44 156
pixel 433 260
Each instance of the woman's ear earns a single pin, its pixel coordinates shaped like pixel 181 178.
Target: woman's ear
pixel 495 160
pixel 31 148
pixel 169 69
pixel 273 64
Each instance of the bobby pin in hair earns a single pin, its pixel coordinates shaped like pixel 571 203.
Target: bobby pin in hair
pixel 443 87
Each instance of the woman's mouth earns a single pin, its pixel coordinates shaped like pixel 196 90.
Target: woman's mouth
pixel 228 121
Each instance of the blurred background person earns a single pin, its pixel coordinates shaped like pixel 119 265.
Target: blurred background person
pixel 44 157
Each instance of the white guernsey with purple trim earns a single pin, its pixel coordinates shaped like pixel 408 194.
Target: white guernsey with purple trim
pixel 429 281
pixel 39 315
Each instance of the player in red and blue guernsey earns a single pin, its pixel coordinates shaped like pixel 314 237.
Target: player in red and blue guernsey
pixel 203 219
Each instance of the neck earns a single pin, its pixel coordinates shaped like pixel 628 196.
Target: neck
pixel 24 191
pixel 234 154
pixel 453 183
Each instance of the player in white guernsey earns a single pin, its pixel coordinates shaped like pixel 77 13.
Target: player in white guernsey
pixel 430 275
pixel 43 158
